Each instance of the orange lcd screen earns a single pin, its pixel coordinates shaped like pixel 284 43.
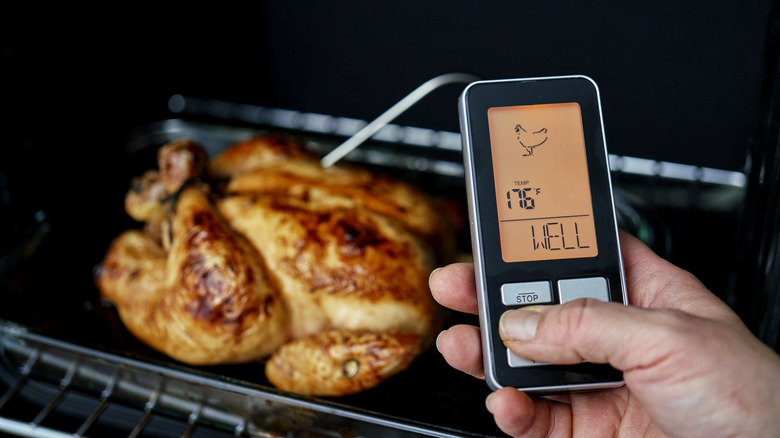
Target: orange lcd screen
pixel 541 175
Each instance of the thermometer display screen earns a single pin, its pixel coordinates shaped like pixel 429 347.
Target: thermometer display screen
pixel 540 171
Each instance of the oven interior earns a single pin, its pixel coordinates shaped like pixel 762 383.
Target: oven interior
pixel 74 139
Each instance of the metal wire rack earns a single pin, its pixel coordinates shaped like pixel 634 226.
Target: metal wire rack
pixel 419 139
pixel 53 391
pixel 50 388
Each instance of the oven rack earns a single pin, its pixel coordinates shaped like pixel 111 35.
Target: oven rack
pixel 421 139
pixel 55 389
pixel 660 183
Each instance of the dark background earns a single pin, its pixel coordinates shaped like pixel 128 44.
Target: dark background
pixel 680 81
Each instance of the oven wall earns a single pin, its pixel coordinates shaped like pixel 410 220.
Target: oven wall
pixel 679 82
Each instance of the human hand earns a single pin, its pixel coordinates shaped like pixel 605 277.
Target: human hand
pixel 691 367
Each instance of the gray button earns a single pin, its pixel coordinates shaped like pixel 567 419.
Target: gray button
pixel 594 287
pixel 531 292
pixel 516 361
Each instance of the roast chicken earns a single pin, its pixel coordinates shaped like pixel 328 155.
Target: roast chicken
pixel 261 254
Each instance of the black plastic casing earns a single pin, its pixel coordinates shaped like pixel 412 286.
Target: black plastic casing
pixel 490 269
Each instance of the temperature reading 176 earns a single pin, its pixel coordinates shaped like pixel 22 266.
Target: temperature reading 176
pixel 523 198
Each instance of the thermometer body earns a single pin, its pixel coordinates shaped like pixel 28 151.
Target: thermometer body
pixel 542 214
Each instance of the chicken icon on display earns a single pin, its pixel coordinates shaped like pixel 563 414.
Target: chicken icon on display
pixel 530 140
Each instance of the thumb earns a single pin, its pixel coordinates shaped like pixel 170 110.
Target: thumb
pixel 586 329
pixel 692 375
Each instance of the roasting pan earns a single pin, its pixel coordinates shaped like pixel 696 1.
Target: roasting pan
pixel 69 368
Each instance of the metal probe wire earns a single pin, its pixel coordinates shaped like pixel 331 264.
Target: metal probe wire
pixel 394 111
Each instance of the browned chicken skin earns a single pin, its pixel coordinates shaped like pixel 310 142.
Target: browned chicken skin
pixel 262 253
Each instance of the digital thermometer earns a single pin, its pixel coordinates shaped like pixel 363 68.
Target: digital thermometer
pixel 542 215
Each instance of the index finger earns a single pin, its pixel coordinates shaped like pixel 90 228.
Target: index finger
pixel 453 286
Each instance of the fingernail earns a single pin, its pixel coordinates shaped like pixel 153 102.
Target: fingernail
pixel 432 274
pixel 437 340
pixel 519 324
pixel 487 402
